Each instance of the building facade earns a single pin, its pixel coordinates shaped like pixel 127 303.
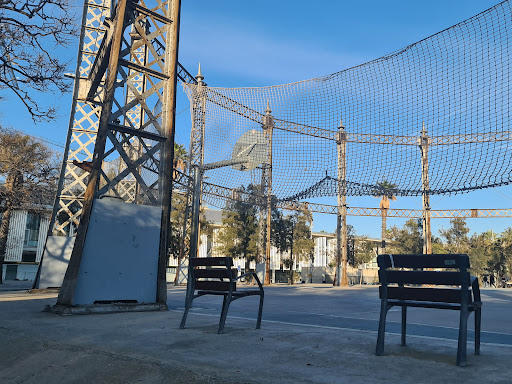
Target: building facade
pixel 25 243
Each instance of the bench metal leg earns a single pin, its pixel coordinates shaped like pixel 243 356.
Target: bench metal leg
pixel 404 325
pixel 260 311
pixel 463 337
pixel 224 313
pixel 189 296
pixel 384 307
pixel 188 304
pixel 478 323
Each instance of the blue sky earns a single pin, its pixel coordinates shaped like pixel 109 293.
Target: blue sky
pixel 260 43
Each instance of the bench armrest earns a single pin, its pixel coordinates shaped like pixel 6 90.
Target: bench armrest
pixel 255 276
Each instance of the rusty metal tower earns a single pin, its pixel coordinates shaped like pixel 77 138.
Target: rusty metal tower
pixel 118 144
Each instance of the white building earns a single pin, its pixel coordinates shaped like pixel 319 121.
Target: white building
pixel 25 243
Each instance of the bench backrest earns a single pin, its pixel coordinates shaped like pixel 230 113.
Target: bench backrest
pixel 212 273
pixel 449 270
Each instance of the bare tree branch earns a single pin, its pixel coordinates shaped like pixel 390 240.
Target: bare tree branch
pixel 30 31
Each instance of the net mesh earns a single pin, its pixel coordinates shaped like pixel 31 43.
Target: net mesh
pixel 455 83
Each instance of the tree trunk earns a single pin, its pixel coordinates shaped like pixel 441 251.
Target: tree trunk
pixel 384 213
pixel 4 231
pixel 178 268
pixel 248 279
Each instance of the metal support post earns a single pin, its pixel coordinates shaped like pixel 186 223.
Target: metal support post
pixel 342 199
pixel 427 234
pixel 196 158
pixel 338 249
pixel 196 199
pixel 168 126
pixel 268 124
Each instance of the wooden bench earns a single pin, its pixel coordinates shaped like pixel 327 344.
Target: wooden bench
pixel 216 276
pixel 448 286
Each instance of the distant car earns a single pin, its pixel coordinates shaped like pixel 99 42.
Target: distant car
pixel 508 284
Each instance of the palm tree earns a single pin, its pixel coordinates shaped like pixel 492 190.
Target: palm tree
pixel 179 163
pixel 386 191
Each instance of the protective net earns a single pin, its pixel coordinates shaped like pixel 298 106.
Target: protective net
pixel 455 83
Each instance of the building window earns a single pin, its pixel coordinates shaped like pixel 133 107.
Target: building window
pixel 32 230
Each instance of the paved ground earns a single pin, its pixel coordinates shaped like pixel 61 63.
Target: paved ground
pixel 310 334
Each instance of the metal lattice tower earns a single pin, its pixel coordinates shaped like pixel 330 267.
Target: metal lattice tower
pixel 127 64
pixel 84 117
pixel 83 123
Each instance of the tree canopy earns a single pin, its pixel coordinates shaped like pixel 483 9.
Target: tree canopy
pixel 239 234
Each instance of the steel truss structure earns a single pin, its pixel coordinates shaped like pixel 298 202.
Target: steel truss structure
pixel 127 64
pixel 142 82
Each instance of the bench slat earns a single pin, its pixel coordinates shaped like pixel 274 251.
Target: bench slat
pixel 210 261
pixel 213 285
pixel 436 295
pixel 425 277
pixel 424 261
pixel 429 304
pixel 221 273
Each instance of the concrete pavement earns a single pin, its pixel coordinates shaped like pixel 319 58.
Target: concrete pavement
pixel 305 338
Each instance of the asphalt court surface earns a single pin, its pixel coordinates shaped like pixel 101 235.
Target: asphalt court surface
pixel 357 308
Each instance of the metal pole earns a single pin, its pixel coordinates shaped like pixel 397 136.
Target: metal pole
pixel 194 232
pixel 168 118
pixel 196 157
pixel 268 127
pixel 427 234
pixel 342 198
pixel 338 246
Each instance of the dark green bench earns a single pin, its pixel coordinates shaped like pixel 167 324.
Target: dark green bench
pixel 216 276
pixel 446 284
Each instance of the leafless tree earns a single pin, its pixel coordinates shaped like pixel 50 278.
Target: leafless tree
pixel 30 31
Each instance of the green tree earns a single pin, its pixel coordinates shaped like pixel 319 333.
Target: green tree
pixel 30 171
pixel 178 206
pixel 301 245
pixel 408 239
pixel 179 160
pixel 506 237
pixel 497 263
pixel 239 234
pixel 386 191
pixel 456 237
pixel 500 261
pixel 480 249
pixel 363 251
pixel 281 230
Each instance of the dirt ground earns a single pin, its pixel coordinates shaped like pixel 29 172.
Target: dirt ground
pixel 40 347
